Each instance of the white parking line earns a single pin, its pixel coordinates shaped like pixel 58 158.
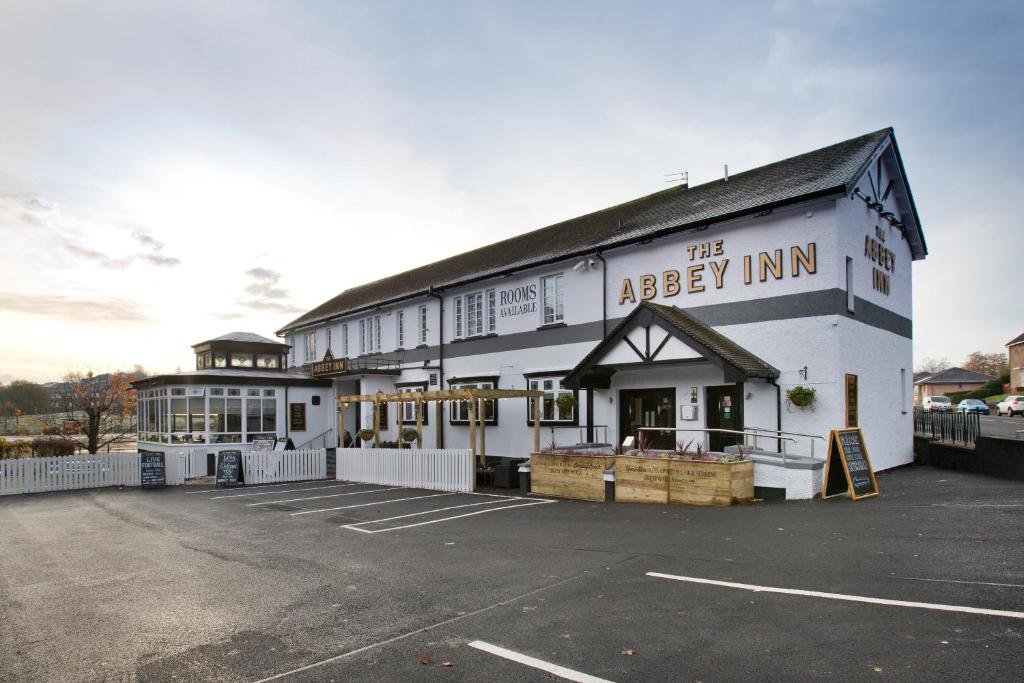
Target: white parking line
pixel 270 493
pixel 555 669
pixel 841 596
pixel 355 527
pixel 363 505
pixel 326 495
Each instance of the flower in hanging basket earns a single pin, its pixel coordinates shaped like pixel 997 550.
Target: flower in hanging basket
pixel 566 404
pixel 800 396
pixel 366 434
pixel 409 434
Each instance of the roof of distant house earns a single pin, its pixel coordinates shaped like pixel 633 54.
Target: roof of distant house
pixel 820 173
pixel 954 376
pixel 1019 339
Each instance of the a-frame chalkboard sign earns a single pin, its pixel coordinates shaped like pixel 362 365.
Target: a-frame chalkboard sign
pixel 229 468
pixel 847 468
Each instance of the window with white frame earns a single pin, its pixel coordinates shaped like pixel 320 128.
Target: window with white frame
pixel 400 329
pixel 558 405
pixel 310 347
pixel 362 337
pixel 492 311
pixel 552 296
pixel 458 317
pixel 474 314
pixel 409 409
pixel 369 335
pixel 376 335
pixel 460 409
pixel 422 315
pixel 344 340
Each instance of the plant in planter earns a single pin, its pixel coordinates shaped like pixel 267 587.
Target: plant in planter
pixel 410 434
pixel 566 404
pixel 801 397
pixel 366 434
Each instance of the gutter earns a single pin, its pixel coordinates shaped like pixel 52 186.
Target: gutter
pixel 778 413
pixel 604 294
pixel 440 363
pixel 665 232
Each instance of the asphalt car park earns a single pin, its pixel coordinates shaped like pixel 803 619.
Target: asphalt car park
pixel 1001 425
pixel 343 581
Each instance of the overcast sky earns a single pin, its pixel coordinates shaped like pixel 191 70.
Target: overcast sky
pixel 173 171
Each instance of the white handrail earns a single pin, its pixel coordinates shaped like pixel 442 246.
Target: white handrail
pixel 782 439
pixel 777 431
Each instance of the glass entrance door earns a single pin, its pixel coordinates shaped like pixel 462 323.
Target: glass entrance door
pixel 725 411
pixel 648 408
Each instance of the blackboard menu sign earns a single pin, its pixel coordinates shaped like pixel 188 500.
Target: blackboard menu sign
pixel 848 469
pixel 229 468
pixel 152 470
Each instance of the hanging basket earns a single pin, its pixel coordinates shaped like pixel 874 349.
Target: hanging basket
pixel 366 434
pixel 801 397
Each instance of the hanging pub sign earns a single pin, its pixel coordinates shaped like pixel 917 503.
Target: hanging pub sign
pixel 847 467
pixel 229 468
pixel 329 366
pixel 152 470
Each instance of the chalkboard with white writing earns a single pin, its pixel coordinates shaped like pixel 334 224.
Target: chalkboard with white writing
pixel 152 470
pixel 229 467
pixel 847 468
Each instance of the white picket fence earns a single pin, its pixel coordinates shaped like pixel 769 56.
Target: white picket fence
pixel 421 468
pixel 269 467
pixel 69 472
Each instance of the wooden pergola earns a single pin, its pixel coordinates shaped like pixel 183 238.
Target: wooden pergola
pixel 476 399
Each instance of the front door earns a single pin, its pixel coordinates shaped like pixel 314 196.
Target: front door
pixel 648 408
pixel 725 411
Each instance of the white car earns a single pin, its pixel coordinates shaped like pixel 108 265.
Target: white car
pixel 937 404
pixel 1010 406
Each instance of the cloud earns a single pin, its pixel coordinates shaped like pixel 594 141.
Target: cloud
pixel 158 260
pixel 155 256
pixel 68 308
pixel 270 306
pixel 98 257
pixel 264 294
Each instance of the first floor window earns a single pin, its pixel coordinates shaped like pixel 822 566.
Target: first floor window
pixel 458 317
pixel 310 348
pixel 423 324
pixel 492 311
pixel 552 296
pixel 400 331
pixel 557 404
pixel 474 314
pixel 362 337
pixel 460 409
pixel 344 340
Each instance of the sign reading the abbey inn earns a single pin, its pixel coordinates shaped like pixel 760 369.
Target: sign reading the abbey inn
pixel 710 267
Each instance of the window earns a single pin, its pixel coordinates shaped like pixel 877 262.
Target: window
pixel 309 355
pixel 849 284
pixel 376 336
pixel 458 317
pixel 409 409
pixel 474 314
pixel 369 335
pixel 422 314
pixel 553 299
pixel 260 414
pixel 344 340
pixel 553 407
pixel 241 360
pixel 492 311
pixel 460 409
pixel 400 329
pixel 362 337
pixel 328 339
pixel 220 359
pixel 268 360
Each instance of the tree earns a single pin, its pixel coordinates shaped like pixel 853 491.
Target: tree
pixel 991 364
pixel 933 364
pixel 29 397
pixel 101 405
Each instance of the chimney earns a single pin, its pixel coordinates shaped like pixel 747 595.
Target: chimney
pixel 727 173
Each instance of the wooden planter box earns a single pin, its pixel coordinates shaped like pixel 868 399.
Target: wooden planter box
pixel 641 480
pixel 568 476
pixel 693 482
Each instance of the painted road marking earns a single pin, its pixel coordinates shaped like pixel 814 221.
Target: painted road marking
pixel 355 527
pixel 841 596
pixel 326 495
pixel 973 583
pixel 271 493
pixel 262 486
pixel 555 669
pixel 363 505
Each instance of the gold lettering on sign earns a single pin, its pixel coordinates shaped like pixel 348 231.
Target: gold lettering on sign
pixel 671 280
pixel 693 278
pixel 766 263
pixel 626 292
pixel 648 288
pixel 746 270
pixel 798 258
pixel 716 248
pixel 718 270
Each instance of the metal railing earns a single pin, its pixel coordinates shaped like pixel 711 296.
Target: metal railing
pixel 775 433
pixel 744 434
pixel 321 440
pixel 953 427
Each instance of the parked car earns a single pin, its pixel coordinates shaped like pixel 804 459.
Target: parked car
pixel 937 404
pixel 972 405
pixel 1010 406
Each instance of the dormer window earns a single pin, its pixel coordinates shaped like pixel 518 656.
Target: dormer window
pixel 268 360
pixel 220 359
pixel 241 360
pixel 241 351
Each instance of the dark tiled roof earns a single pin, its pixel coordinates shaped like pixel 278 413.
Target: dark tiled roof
pixel 1016 340
pixel 715 341
pixel 245 337
pixel 954 376
pixel 918 376
pixel 816 173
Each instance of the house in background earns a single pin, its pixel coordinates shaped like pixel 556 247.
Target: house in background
pixel 1015 350
pixel 945 382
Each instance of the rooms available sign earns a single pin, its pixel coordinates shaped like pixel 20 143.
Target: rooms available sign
pixel 710 266
pixel 517 301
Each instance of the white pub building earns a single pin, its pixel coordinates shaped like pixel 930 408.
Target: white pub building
pixel 693 308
